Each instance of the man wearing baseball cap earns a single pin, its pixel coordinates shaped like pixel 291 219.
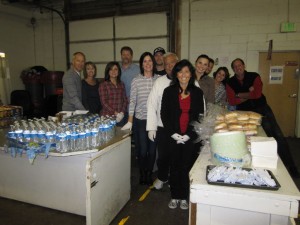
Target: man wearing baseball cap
pixel 158 55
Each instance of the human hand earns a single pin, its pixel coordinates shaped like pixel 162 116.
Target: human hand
pixel 176 136
pixel 152 134
pixel 119 116
pixel 185 138
pixel 127 126
pixel 251 88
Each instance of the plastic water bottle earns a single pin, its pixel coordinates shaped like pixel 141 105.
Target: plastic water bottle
pixel 101 133
pixel 19 133
pixel 34 135
pixel 74 139
pixel 88 136
pixel 49 136
pixel 12 133
pixel 26 134
pixel 41 136
pixel 94 137
pixel 81 139
pixel 61 141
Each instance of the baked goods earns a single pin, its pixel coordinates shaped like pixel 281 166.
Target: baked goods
pixel 254 115
pixel 230 115
pixel 221 126
pixel 243 116
pixel 235 126
pixel 238 121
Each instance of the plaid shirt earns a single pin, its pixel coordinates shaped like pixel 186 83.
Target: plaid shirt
pixel 113 98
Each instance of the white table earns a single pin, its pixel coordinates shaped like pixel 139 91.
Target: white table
pixel 221 205
pixel 96 185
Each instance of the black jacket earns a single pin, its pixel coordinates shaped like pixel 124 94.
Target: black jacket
pixel 250 104
pixel 170 110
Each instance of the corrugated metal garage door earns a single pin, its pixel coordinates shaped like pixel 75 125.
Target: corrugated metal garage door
pixel 101 39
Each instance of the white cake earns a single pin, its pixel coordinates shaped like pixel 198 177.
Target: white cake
pixel 230 148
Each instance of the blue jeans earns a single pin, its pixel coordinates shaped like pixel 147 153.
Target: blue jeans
pixel 147 148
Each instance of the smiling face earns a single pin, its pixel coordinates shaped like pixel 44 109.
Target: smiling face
pixel 169 63
pixel 238 68
pixel 147 64
pixel 78 62
pixel 184 76
pixel 159 59
pixel 201 65
pixel 113 72
pixel 210 67
pixel 126 57
pixel 220 76
pixel 90 71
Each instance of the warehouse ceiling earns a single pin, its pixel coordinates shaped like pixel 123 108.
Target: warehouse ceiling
pixel 88 9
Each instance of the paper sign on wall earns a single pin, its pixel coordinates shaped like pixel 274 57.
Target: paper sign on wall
pixel 276 75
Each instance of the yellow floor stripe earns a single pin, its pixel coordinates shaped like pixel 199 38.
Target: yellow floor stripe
pixel 123 221
pixel 145 194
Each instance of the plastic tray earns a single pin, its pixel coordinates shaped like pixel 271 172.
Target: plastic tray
pixel 263 187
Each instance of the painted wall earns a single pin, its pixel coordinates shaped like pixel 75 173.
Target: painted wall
pixel 227 29
pixel 26 47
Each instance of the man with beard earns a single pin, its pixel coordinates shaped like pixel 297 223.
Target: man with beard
pixel 159 59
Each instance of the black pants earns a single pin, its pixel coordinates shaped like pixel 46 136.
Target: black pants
pixel 180 165
pixel 163 151
pixel 272 129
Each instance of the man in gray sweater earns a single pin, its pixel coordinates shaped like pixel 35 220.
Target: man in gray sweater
pixel 72 99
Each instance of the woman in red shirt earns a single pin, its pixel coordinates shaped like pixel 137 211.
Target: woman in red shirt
pixel 182 102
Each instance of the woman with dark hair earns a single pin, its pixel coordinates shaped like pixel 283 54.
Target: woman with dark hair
pixel 90 95
pixel 112 93
pixel 140 90
pixel 206 82
pixel 182 102
pixel 221 76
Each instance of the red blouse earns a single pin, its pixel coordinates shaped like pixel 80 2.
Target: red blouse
pixel 185 105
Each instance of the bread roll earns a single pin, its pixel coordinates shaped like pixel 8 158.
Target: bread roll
pixel 254 121
pixel 254 115
pixel 222 130
pixel 232 120
pixel 250 132
pixel 243 116
pixel 249 126
pixel 230 115
pixel 221 126
pixel 235 126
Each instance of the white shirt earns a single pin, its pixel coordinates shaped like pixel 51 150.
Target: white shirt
pixel 154 102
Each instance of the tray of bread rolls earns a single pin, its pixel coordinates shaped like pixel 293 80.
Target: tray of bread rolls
pixel 246 121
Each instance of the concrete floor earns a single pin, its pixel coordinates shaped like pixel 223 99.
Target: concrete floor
pixel 152 210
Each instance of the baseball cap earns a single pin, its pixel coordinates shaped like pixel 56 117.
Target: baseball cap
pixel 159 49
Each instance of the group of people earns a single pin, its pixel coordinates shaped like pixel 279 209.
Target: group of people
pixel 158 99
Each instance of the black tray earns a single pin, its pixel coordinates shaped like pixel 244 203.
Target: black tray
pixel 263 187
